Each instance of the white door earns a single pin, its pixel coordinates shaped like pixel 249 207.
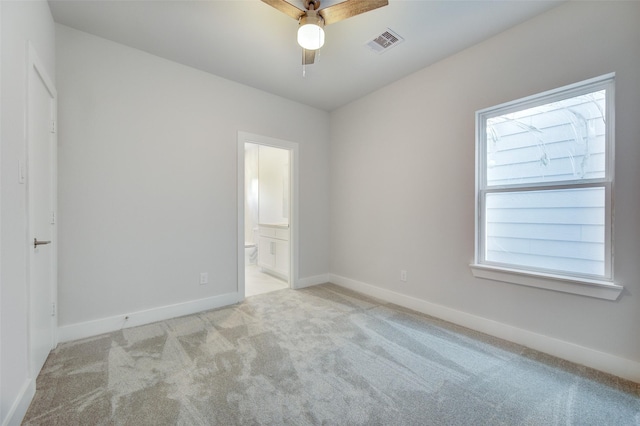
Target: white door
pixel 41 181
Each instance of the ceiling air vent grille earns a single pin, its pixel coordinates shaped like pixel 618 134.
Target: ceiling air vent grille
pixel 385 41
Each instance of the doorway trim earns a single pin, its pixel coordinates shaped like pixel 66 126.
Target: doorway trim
pixel 293 148
pixel 35 65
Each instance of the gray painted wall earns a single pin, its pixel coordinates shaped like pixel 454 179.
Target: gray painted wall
pixel 402 174
pixel 147 176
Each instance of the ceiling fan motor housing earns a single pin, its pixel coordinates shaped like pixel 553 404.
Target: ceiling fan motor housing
pixel 309 3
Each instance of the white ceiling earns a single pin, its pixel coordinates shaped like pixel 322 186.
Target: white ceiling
pixel 254 44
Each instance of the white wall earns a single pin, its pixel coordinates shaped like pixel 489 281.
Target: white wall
pixel 147 178
pixel 21 21
pixel 402 178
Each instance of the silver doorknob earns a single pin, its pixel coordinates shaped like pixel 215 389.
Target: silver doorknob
pixel 37 243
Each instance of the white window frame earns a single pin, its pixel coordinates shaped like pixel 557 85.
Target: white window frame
pixel 600 287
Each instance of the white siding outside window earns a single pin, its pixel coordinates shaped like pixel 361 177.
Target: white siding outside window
pixel 544 189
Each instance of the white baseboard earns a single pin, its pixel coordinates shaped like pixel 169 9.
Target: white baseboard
pixel 21 405
pixel 106 325
pixel 592 358
pixel 311 281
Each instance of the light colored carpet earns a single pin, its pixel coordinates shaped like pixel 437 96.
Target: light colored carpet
pixel 322 355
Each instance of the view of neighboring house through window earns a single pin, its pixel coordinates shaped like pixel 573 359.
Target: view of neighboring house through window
pixel 544 182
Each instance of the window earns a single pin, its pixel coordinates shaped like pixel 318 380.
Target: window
pixel 544 190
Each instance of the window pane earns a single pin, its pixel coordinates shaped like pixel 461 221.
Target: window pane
pixel 554 230
pixel 558 141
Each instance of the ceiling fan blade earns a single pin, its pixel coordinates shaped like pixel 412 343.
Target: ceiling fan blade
pixel 308 56
pixel 286 8
pixel 349 8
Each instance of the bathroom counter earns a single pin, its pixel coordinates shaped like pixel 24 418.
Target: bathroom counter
pixel 276 225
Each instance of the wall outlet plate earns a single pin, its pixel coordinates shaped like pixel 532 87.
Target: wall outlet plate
pixel 204 278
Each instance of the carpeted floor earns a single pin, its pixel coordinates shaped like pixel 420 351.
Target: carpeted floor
pixel 322 355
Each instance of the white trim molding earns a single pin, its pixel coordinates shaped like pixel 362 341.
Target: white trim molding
pixel 293 148
pixel 20 406
pixel 311 281
pixel 106 325
pixel 517 267
pixel 582 286
pixel 117 322
pixel 601 361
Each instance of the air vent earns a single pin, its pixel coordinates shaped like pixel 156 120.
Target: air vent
pixel 385 41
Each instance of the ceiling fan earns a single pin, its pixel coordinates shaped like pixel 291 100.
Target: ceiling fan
pixel 312 20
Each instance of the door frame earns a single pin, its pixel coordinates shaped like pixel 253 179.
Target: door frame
pixel 35 64
pixel 293 148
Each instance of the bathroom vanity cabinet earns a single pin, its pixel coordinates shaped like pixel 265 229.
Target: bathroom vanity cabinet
pixel 273 249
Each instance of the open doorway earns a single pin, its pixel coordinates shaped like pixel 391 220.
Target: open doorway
pixel 266 219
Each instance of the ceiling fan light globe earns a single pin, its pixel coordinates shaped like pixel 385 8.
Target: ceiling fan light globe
pixel 310 36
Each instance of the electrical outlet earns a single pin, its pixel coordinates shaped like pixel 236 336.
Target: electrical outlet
pixel 403 275
pixel 204 278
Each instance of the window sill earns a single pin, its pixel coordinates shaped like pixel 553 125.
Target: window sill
pixel 583 286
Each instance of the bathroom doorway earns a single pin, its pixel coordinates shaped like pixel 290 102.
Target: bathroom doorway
pixel 266 231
